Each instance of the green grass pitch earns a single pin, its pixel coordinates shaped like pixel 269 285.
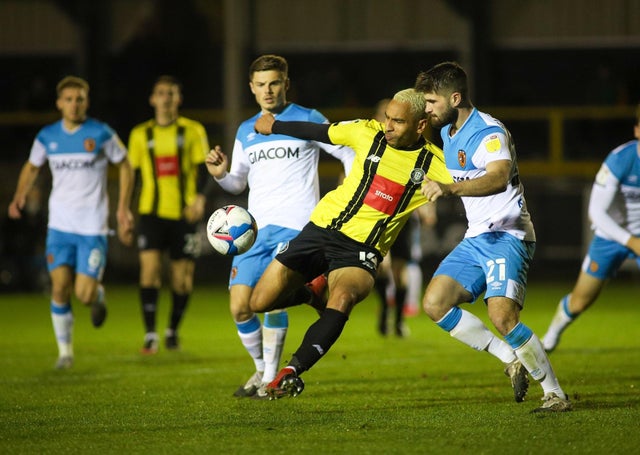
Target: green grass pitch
pixel 369 395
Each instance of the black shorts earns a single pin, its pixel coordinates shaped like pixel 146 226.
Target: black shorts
pixel 177 236
pixel 317 250
pixel 401 248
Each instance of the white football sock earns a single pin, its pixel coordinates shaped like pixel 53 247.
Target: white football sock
pixel 559 323
pixel 501 350
pixel 274 333
pixel 272 345
pixel 62 319
pixel 535 360
pixel 472 331
pixel 252 342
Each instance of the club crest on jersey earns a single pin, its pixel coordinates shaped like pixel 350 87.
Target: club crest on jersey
pixel 462 158
pixel 493 144
pixel 89 144
pixel 282 247
pixel 417 176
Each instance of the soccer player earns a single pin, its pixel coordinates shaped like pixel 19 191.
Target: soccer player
pixel 168 153
pixel 352 227
pixel 79 150
pixel 494 256
pixel 282 175
pixel 614 211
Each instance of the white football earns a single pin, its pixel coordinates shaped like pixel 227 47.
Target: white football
pixel 231 230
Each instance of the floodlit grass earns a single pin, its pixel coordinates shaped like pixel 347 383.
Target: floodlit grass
pixel 369 395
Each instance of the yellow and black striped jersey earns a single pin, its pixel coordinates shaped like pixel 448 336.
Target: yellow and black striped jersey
pixel 168 159
pixel 383 187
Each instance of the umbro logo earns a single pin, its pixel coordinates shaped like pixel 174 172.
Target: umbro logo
pixel 374 158
pixel 369 260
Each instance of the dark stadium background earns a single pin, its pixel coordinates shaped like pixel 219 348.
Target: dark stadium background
pixel 563 75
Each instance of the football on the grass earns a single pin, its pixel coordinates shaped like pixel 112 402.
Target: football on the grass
pixel 231 230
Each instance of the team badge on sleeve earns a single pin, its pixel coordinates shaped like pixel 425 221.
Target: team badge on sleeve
pixel 602 176
pixel 492 144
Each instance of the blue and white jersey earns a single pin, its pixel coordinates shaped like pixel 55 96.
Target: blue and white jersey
pixel 481 140
pixel 281 171
pixel 614 206
pixel 78 160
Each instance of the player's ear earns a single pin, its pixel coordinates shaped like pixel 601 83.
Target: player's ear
pixel 422 125
pixel 287 84
pixel 455 99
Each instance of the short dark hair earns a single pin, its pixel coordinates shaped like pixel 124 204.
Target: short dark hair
pixel 169 80
pixel 638 114
pixel 269 62
pixel 72 81
pixel 443 79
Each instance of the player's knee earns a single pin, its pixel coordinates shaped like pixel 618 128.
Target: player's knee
pixel 429 305
pixel 85 295
pixel 343 300
pixel 258 302
pixel 240 310
pixel 580 302
pixel 182 287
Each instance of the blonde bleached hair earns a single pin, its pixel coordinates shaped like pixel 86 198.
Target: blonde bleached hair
pixel 74 82
pixel 414 99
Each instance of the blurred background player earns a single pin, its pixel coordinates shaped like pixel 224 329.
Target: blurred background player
pixel 282 175
pixel 79 150
pixel 614 211
pixel 399 279
pixel 168 153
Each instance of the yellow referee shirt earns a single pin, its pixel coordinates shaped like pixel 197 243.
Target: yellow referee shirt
pixel 168 159
pixel 383 187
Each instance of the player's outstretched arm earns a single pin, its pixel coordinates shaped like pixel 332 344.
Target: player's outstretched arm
pixel 217 162
pixel 634 244
pixel 27 178
pixel 124 215
pixel 311 131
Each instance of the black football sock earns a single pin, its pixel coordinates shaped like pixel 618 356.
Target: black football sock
pixel 381 288
pixel 318 340
pixel 149 303
pixel 401 295
pixel 180 302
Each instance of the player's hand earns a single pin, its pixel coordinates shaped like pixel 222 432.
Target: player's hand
pixel 125 226
pixel 193 213
pixel 264 124
pixel 15 208
pixel 433 190
pixel 216 162
pixel 634 244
